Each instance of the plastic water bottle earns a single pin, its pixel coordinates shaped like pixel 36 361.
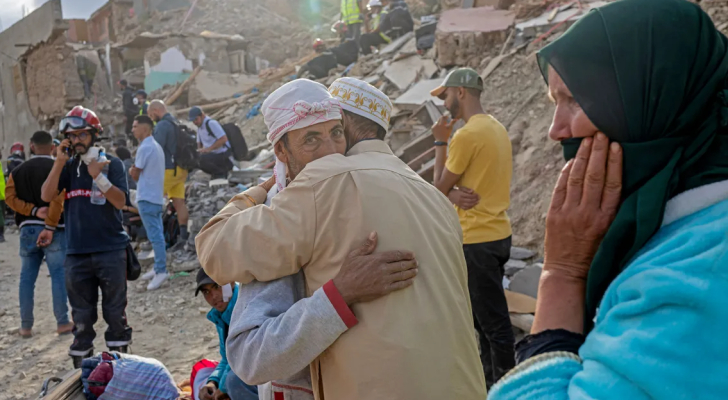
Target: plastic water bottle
pixel 97 196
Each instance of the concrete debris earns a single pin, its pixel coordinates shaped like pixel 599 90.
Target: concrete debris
pixel 464 35
pixel 418 95
pixel 565 14
pixel 212 86
pixel 526 281
pixel 513 266
pixel 519 253
pixel 396 44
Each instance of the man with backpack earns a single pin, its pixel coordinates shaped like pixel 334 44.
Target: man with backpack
pixel 179 156
pixel 213 145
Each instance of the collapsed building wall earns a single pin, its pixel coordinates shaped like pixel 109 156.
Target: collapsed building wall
pixel 172 59
pixel 16 120
pixel 53 80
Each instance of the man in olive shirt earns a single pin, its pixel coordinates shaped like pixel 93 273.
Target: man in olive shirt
pixel 476 177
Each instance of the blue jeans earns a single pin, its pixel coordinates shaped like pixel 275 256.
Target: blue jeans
pixel 32 257
pixel 152 219
pixel 239 390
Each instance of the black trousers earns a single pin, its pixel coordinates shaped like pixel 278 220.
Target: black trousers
pixel 369 40
pixel 353 32
pixel 129 125
pixel 217 165
pixel 85 274
pixel 485 281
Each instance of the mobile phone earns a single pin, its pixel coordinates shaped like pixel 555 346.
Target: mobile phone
pixel 69 151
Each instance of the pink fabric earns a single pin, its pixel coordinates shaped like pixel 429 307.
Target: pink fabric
pixel 296 105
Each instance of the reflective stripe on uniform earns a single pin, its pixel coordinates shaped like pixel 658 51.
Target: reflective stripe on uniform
pixel 350 13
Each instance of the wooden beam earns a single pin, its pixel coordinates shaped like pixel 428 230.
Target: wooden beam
pixel 174 96
pixel 215 106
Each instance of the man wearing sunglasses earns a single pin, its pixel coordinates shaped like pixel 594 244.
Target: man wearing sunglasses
pixel 96 191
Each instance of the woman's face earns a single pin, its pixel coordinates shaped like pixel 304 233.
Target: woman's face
pixel 570 121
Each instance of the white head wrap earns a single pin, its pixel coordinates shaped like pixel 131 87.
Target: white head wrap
pixel 363 99
pixel 295 105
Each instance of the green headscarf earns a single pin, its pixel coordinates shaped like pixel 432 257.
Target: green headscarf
pixel 651 75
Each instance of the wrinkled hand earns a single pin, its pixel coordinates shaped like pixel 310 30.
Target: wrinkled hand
pixel 219 395
pixel 42 213
pixel 62 153
pixel 95 167
pixel 207 392
pixel 135 173
pixel 585 201
pixel 366 276
pixel 464 198
pixel 443 128
pixel 44 238
pixel 268 185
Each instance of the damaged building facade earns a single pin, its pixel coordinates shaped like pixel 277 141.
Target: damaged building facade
pixel 17 121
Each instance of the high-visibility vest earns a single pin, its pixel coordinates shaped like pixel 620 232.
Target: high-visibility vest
pixel 141 108
pixel 350 13
pixel 375 25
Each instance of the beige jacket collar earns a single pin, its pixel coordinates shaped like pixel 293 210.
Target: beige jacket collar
pixel 369 146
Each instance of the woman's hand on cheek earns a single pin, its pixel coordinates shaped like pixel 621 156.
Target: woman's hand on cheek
pixel 583 206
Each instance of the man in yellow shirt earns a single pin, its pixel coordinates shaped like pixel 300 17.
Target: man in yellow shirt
pixel 476 177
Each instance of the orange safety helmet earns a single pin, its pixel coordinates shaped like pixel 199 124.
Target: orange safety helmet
pixel 80 118
pixel 318 43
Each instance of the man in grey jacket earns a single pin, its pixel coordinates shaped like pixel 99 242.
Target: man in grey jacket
pixel 276 331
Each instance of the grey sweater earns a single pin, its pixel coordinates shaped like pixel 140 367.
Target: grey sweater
pixel 276 332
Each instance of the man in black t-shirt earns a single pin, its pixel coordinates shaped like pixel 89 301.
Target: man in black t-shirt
pixel 96 192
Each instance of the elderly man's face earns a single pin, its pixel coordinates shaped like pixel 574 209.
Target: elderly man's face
pixel 301 146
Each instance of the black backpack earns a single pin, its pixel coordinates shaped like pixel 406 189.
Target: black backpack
pixel 235 138
pixel 186 155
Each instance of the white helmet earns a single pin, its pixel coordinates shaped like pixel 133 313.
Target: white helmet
pixel 374 3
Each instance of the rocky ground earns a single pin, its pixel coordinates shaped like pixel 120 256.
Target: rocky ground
pixel 169 325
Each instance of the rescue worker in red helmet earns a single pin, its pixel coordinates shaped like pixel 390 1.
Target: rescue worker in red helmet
pixel 16 157
pixel 96 191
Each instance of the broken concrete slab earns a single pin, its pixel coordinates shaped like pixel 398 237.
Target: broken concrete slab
pixel 418 95
pixel 519 253
pixel 520 303
pixel 513 267
pixel 396 44
pixel 405 72
pixel 548 19
pixel 463 35
pixel 211 86
pixel 526 281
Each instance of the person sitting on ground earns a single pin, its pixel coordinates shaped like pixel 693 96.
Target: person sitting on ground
pixel 148 170
pixel 223 380
pixel 42 233
pixel 125 156
pixel 212 143
pixel 397 20
pixel 165 133
pixel 632 298
pixel 375 37
pixel 320 66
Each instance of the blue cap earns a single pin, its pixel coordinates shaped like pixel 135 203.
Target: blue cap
pixel 141 92
pixel 195 112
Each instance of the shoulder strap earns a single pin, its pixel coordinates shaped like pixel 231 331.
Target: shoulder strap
pixel 209 132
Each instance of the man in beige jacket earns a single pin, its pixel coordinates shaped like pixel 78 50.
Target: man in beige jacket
pixel 416 343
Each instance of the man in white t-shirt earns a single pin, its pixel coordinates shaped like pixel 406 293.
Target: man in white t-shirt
pixel 212 143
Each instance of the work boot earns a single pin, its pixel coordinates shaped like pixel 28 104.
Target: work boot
pixel 2 234
pixel 78 360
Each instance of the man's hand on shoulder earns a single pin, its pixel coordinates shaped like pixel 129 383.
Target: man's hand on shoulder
pixel 268 185
pixel 366 276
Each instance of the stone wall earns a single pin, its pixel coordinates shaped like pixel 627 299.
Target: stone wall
pixel 54 84
pixel 16 121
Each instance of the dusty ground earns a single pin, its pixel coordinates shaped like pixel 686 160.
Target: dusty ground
pixel 169 325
